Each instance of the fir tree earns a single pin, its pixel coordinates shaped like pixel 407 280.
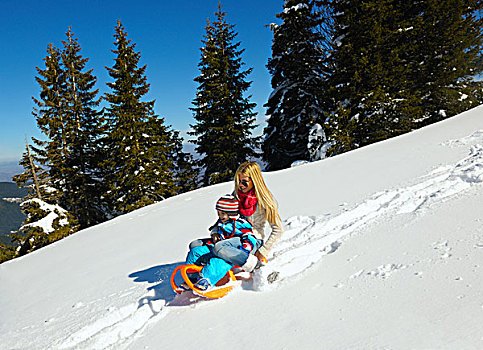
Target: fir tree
pixel 400 65
pixel 7 252
pixel 139 168
pixel 224 117
pixel 86 127
pixel 299 77
pixel 52 154
pixel 34 176
pixel 368 78
pixel 446 56
pixel 187 174
pixel 66 115
pixel 50 115
pixel 45 222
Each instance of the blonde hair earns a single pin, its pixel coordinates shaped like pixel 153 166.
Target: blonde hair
pixel 264 196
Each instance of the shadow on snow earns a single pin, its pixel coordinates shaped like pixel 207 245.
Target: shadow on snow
pixel 160 276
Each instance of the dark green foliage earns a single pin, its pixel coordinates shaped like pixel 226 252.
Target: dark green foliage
pixel 86 126
pixel 44 223
pixel 449 48
pixel 224 116
pixel 187 174
pixel 341 128
pixel 50 112
pixel 86 168
pixel 299 74
pixel 65 189
pixel 67 116
pixel 139 168
pixel 368 75
pixel 7 252
pixel 400 65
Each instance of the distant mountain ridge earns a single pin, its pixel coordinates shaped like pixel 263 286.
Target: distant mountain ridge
pixel 9 169
pixel 11 216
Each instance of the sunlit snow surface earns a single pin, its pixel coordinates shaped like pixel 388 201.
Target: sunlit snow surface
pixel 382 249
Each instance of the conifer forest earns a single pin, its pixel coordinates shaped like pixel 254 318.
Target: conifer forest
pixel 344 74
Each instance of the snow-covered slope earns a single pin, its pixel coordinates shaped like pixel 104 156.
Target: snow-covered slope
pixel 383 249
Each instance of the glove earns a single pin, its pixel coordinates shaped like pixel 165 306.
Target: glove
pixel 246 246
pixel 215 237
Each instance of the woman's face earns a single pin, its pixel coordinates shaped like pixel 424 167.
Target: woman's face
pixel 245 184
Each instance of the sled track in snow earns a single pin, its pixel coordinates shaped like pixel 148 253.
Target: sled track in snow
pixel 305 241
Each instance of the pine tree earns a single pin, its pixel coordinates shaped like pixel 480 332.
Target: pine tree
pixel 138 168
pixel 45 223
pixel 446 56
pixel 34 176
pixel 7 252
pixel 66 114
pixel 366 83
pixel 224 117
pixel 46 220
pixel 401 65
pixel 295 108
pixel 187 174
pixel 51 117
pixel 86 126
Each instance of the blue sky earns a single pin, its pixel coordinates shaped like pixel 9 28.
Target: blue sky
pixel 168 34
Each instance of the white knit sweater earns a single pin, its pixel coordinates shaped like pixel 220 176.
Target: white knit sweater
pixel 258 222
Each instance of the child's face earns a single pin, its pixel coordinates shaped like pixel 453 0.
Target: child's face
pixel 223 216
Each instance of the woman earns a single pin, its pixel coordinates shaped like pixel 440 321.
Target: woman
pixel 257 204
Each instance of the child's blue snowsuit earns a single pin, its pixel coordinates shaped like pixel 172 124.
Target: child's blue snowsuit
pixel 215 267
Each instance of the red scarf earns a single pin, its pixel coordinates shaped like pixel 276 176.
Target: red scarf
pixel 248 202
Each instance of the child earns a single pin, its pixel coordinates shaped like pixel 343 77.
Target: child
pixel 229 225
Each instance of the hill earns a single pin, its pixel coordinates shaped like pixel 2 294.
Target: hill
pixel 10 215
pixel 9 169
pixel 382 250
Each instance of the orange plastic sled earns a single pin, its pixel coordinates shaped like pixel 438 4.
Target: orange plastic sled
pixel 222 288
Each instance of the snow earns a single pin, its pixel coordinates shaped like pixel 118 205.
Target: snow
pixel 317 142
pixel 296 8
pixel 13 200
pixel 338 40
pixel 383 249
pixel 405 29
pixel 46 223
pixel 299 163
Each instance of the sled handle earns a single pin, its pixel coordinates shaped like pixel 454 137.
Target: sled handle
pixel 173 283
pixel 185 269
pixel 184 273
